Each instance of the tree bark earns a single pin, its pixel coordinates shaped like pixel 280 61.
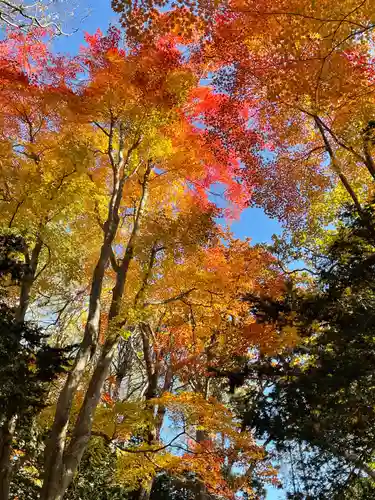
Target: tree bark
pixel 202 494
pixel 28 280
pixel 54 454
pixel 369 160
pixel 55 446
pixel 64 463
pixel 153 373
pixel 8 427
pixel 6 438
pixel 82 430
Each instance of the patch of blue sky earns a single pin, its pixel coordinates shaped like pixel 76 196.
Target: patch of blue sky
pixel 252 223
pixel 94 14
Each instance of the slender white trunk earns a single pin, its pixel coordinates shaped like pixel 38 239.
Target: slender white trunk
pixel 61 461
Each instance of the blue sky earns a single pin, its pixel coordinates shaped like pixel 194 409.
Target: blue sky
pixel 253 223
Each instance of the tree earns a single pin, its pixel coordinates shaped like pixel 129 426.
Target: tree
pixel 308 84
pixel 306 71
pixel 319 394
pixel 106 179
pixel 133 174
pixel 28 364
pixel 177 314
pixel 315 105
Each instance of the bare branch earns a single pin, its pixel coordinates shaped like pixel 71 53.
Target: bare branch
pixel 47 263
pixel 15 212
pixel 171 299
pixel 18 15
pixel 101 128
pixel 154 450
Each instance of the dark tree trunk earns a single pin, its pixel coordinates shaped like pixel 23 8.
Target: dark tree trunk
pixel 6 438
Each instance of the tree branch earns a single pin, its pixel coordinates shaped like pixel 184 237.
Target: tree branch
pixel 171 299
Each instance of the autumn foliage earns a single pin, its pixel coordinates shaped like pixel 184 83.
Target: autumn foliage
pixel 120 169
pixel 108 159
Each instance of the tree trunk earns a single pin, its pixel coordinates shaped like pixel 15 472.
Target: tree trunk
pixel 8 427
pixel 54 453
pixel 56 444
pixel 64 463
pixel 82 430
pixel 369 160
pixel 336 167
pixel 201 488
pixel 144 493
pixel 6 438
pixel 28 280
pixel 125 355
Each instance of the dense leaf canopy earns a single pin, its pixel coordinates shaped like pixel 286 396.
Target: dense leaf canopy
pixel 146 352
